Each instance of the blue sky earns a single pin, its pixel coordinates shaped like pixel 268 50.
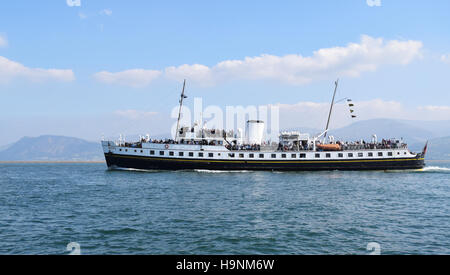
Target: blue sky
pixel 90 45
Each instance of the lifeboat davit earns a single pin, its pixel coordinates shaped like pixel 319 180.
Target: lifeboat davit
pixel 329 147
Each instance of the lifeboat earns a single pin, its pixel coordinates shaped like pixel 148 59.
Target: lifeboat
pixel 329 147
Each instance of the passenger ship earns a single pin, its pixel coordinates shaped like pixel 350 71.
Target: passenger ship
pixel 197 148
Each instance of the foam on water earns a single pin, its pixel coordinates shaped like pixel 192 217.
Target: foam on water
pixel 221 171
pixel 435 169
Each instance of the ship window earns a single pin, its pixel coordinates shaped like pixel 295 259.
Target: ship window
pixel 231 155
pixel 210 155
pixel 350 155
pixel 328 155
pixel 302 156
pixel 317 155
pixel 152 152
pixel 200 154
pixel 405 153
pixel 126 150
pixel 293 156
pixel 380 154
pixel 398 153
pixel 390 154
pixel 251 155
pixel 283 156
pixel 241 155
pixel 142 151
pixel 370 154
pixel 191 154
pixel 170 153
pixel 135 151
pixel 180 154
pixel 274 156
pixel 261 156
pixel 340 155
pixel 120 149
pixel 161 153
pixel 360 155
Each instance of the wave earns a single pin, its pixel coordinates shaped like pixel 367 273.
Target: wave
pixel 435 169
pixel 221 171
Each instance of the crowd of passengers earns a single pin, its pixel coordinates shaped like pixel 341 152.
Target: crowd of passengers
pixel 355 145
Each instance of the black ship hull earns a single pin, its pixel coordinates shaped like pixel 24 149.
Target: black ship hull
pixel 115 161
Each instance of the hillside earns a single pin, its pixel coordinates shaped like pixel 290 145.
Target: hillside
pixel 52 148
pixel 438 148
pixel 60 148
pixel 384 128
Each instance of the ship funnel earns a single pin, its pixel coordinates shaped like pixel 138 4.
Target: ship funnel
pixel 255 131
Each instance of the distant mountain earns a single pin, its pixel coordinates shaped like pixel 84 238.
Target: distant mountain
pixel 52 148
pixel 4 147
pixel 384 128
pixel 438 148
pixel 59 148
pixel 440 128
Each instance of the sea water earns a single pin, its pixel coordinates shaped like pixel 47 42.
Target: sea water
pixel 44 207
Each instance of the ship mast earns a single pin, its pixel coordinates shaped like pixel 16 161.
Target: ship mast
pixel 331 107
pixel 179 111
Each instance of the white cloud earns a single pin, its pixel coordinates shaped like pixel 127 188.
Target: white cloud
pixel 324 64
pixel 445 58
pixel 106 12
pixel 3 41
pixel 352 60
pixel 134 78
pixel 373 3
pixel 73 3
pixel 10 70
